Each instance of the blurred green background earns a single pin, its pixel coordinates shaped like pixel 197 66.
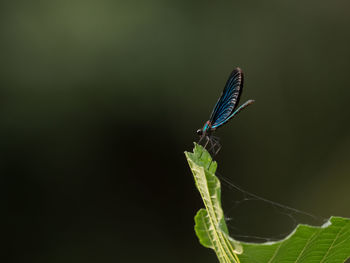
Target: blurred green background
pixel 99 99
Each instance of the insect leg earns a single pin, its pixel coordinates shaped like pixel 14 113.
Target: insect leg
pixel 213 141
pixel 218 149
pixel 216 142
pixel 208 139
pixel 200 139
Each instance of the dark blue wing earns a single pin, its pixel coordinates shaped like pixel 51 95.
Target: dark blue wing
pixel 229 99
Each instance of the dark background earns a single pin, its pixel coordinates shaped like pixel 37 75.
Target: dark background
pixel 99 100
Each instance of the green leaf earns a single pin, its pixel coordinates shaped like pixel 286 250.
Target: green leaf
pixel 328 243
pixel 306 244
pixel 210 225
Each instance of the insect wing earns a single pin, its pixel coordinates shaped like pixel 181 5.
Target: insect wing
pixel 229 98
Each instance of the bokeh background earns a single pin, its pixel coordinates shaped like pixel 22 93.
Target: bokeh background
pixel 99 100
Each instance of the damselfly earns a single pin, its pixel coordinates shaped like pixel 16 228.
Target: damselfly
pixel 224 110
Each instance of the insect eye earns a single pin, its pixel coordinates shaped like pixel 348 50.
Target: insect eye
pixel 199 132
